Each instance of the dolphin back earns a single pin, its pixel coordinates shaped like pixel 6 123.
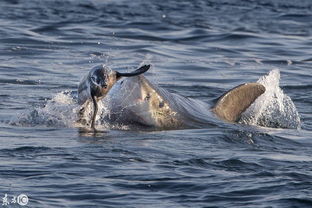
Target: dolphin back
pixel 233 103
pixel 136 100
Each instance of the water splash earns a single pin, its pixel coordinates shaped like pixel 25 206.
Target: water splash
pixel 60 111
pixel 273 108
pixel 63 110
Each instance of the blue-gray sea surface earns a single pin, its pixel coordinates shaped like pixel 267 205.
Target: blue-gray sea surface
pixel 198 49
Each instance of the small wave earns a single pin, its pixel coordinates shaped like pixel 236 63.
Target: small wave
pixel 24 150
pixel 273 108
pixel 20 82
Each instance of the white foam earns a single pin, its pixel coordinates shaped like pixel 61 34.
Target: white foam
pixel 60 111
pixel 63 111
pixel 273 108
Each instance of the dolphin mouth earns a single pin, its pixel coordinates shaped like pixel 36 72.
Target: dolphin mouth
pixel 95 97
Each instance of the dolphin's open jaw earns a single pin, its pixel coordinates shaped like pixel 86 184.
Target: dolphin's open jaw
pixel 137 72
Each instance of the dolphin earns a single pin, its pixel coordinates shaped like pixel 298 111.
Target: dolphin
pixel 135 100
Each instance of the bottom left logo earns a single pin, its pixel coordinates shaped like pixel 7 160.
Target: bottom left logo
pixel 21 199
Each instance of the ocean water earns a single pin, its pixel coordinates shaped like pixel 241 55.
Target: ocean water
pixel 198 49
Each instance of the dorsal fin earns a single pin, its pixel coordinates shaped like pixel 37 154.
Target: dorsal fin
pixel 234 102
